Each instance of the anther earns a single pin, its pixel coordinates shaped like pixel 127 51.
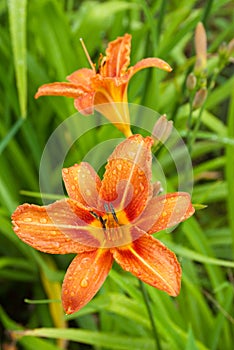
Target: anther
pixel 103 222
pixel 100 218
pixel 113 213
pixel 94 214
pixel 111 209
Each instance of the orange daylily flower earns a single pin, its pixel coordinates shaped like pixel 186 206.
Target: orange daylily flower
pixel 106 220
pixel 105 88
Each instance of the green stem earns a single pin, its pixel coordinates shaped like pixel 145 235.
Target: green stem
pixel 147 303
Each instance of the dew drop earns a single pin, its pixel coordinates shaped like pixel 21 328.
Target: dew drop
pixel 84 262
pixel 27 219
pixel 53 233
pixel 43 220
pixel 73 187
pixel 88 192
pixel 65 171
pixel 142 187
pixel 84 283
pixel 119 167
pixel 131 154
pixel 140 172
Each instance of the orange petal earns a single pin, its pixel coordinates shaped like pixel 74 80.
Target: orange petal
pixel 85 103
pixel 81 77
pixel 152 262
pixel 165 211
pixel 58 228
pixel 82 183
pixel 126 182
pixel 62 89
pixel 150 62
pixel 117 57
pixel 84 277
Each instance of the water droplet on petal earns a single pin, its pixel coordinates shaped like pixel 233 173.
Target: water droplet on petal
pixel 88 192
pixel 65 170
pixel 142 187
pixel 73 187
pixel 43 220
pixel 84 262
pixel 27 219
pixel 119 167
pixel 84 282
pixel 131 154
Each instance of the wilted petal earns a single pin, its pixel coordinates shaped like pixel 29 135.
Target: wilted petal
pixel 84 278
pixel 61 89
pixel 165 211
pixel 44 228
pixel 152 262
pixel 82 183
pixel 117 57
pixel 126 182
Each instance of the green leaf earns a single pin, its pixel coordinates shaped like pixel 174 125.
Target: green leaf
pixel 106 340
pixel 17 18
pixel 191 343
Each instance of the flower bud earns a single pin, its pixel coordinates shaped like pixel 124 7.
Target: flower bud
pixel 199 98
pixel 231 48
pixel 191 82
pixel 162 129
pixel 200 48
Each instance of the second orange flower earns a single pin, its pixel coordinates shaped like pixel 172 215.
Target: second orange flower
pixel 104 89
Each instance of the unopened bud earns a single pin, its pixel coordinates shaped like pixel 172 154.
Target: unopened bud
pixel 191 82
pixel 200 48
pixel 162 129
pixel 157 188
pixel 231 48
pixel 223 48
pixel 199 98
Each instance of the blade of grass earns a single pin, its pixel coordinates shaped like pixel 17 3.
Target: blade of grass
pixel 10 134
pixel 17 19
pixel 230 169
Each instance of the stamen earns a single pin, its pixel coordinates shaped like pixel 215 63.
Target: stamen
pixel 87 55
pixel 100 218
pixel 113 213
pixel 103 222
pixel 110 208
pixel 94 214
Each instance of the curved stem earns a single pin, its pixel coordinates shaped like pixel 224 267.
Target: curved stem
pixel 147 303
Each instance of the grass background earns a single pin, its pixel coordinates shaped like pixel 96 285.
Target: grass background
pixel 39 43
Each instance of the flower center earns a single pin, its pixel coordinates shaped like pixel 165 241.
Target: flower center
pixel 115 226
